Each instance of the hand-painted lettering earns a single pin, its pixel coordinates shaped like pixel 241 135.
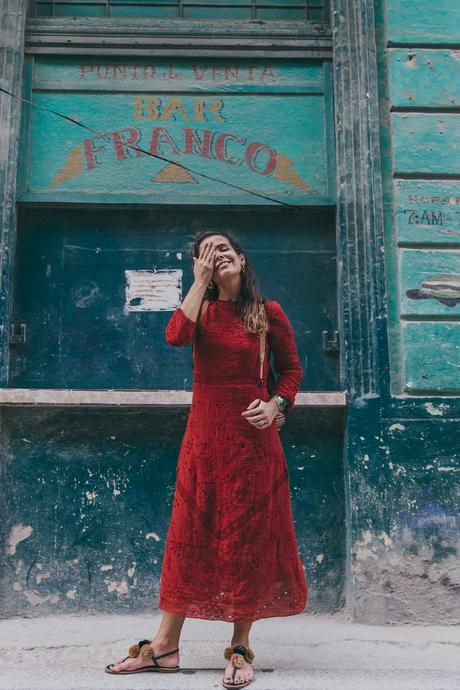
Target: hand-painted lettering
pixel 154 108
pixel 225 147
pixel 130 136
pixel 257 152
pixel 194 145
pixel 90 151
pixel 160 138
pixel 221 148
pixel 216 73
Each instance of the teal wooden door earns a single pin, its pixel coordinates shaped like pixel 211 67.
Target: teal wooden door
pixel 94 291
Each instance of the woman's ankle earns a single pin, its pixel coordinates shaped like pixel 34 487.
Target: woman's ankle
pixel 165 642
pixel 245 643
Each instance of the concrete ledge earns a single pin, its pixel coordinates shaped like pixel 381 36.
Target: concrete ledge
pixel 138 398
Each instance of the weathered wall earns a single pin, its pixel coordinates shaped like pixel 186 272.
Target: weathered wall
pixel 420 70
pixel 12 21
pixel 403 450
pixel 88 496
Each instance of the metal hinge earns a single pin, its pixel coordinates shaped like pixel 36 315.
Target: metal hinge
pixel 18 334
pixel 331 341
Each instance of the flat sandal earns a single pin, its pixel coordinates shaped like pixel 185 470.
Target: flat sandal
pixel 236 655
pixel 144 649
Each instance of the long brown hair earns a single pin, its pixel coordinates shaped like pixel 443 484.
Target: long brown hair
pixel 251 302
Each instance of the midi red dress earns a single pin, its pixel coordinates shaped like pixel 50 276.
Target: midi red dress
pixel 231 550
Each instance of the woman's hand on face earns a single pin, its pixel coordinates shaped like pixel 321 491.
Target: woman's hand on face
pixel 259 410
pixel 203 266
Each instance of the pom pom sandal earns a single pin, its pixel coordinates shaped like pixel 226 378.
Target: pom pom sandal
pixel 143 649
pixel 237 655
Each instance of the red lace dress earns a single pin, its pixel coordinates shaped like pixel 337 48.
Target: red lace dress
pixel 231 550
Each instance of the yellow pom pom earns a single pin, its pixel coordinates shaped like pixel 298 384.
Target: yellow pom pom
pixel 228 653
pixel 146 651
pixel 237 660
pixel 133 650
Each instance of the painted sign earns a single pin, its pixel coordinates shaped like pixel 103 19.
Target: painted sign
pixel 427 211
pixel 153 290
pixel 180 132
pixel 430 281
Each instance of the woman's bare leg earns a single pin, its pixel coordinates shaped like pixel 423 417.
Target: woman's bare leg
pixel 240 636
pixel 165 640
pixel 241 633
pixel 169 630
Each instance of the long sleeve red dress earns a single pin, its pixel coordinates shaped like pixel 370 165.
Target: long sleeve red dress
pixel 231 550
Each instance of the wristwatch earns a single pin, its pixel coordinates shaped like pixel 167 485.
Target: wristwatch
pixel 280 401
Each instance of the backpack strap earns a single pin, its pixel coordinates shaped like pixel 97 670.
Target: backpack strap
pixel 261 358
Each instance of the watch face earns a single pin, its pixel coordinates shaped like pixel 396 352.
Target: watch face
pixel 281 401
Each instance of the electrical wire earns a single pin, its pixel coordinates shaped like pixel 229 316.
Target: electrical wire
pixel 154 155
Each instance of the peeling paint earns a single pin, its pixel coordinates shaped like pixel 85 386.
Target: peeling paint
pixel 411 572
pixel 397 427
pixel 35 599
pixel 119 587
pixel 433 410
pixel 71 593
pixel 152 535
pixel 385 538
pixel 18 533
pixel 41 576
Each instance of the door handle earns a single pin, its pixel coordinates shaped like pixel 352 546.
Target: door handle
pixel 331 341
pixel 18 334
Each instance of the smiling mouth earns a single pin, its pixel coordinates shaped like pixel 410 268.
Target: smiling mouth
pixel 224 263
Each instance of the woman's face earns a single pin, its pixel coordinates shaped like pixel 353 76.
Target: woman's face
pixel 227 262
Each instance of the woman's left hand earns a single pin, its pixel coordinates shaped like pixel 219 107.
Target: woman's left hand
pixel 260 413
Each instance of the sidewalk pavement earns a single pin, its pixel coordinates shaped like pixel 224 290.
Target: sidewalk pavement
pixel 303 652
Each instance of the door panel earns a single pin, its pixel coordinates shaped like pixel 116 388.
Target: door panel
pixel 96 288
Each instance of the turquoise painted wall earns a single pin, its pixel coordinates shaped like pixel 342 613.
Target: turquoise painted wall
pixel 402 454
pixel 420 72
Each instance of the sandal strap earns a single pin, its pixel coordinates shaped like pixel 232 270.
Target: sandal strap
pixel 143 648
pixel 160 656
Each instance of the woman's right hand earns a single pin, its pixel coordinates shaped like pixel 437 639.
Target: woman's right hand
pixel 203 266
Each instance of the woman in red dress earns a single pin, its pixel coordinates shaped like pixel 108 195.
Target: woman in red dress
pixel 231 550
